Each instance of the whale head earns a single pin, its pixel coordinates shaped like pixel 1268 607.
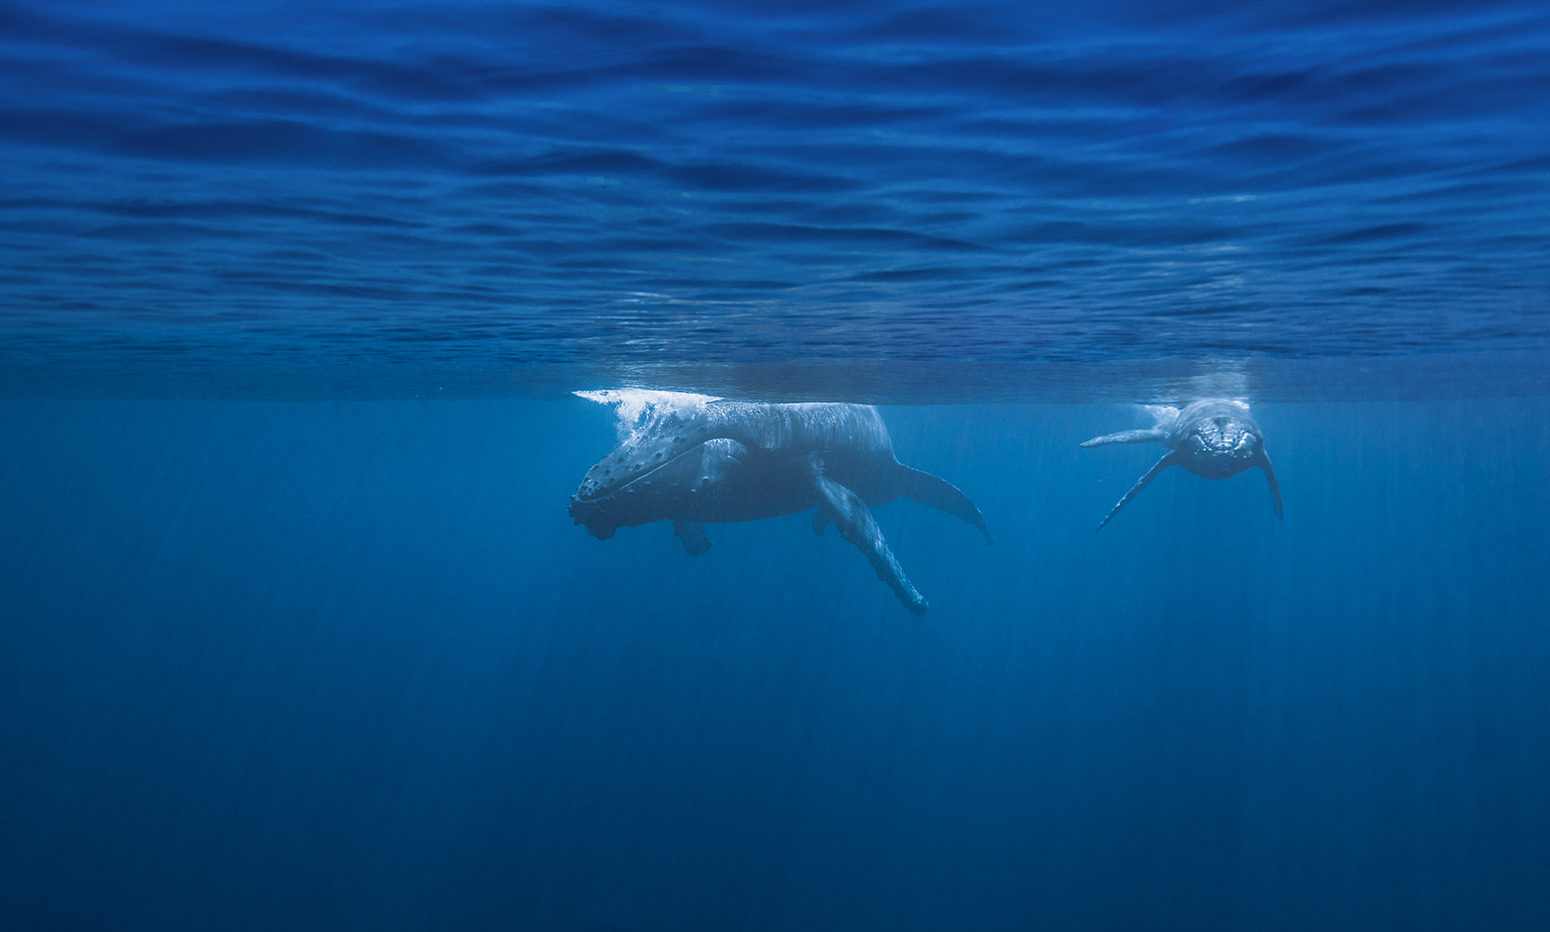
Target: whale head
pixel 648 476
pixel 693 485
pixel 1217 438
pixel 637 487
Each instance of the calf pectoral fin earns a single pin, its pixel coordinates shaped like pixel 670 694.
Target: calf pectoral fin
pixel 1270 479
pixel 1149 435
pixel 692 533
pixel 1168 460
pixel 942 495
pixel 846 509
pixel 821 520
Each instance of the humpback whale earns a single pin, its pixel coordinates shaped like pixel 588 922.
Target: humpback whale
pixel 697 460
pixel 1215 438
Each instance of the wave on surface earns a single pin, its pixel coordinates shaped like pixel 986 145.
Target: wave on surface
pixel 850 203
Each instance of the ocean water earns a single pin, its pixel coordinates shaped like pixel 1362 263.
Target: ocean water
pixel 296 631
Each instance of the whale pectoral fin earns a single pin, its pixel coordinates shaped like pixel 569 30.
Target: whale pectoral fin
pixel 846 509
pixel 1168 460
pixel 942 495
pixel 821 520
pixel 692 533
pixel 1150 435
pixel 1270 479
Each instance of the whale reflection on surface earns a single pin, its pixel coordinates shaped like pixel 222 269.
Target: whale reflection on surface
pixel 1215 438
pixel 698 460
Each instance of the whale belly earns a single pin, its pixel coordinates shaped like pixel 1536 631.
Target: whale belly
pixel 727 482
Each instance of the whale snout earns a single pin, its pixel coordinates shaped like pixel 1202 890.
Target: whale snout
pixel 1224 436
pixel 603 505
pixel 1220 446
pixel 593 515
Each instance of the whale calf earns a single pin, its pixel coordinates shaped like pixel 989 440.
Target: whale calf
pixel 697 460
pixel 1215 438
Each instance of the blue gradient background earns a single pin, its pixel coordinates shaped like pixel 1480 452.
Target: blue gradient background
pixel 349 665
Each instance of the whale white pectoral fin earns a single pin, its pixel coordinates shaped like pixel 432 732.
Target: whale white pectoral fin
pixel 821 520
pixel 1270 479
pixel 1168 460
pixel 942 495
pixel 692 533
pixel 1150 435
pixel 846 509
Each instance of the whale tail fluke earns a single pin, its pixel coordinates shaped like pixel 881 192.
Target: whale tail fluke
pixel 1168 460
pixel 942 495
pixel 1270 479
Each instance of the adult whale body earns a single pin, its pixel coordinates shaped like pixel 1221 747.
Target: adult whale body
pixel 696 460
pixel 1215 438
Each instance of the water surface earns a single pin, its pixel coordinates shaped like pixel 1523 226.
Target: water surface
pixel 882 201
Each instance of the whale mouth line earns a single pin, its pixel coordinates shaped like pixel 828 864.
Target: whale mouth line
pixel 615 490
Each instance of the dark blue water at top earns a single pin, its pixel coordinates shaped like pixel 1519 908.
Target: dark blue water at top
pixel 286 643
pixel 902 202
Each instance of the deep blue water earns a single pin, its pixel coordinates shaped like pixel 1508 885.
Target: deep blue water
pixel 349 665
pixel 295 630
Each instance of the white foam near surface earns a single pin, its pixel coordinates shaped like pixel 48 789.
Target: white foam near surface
pixel 640 409
pixel 1225 379
pixel 1162 415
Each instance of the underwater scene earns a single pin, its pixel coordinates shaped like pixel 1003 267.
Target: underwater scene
pixel 850 465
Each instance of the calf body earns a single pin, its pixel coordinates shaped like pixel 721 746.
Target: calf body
pixel 1215 438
